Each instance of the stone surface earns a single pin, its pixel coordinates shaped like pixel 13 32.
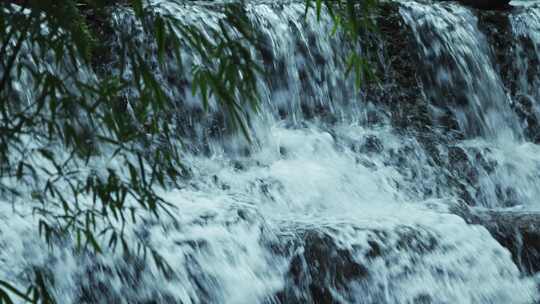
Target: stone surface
pixel 517 231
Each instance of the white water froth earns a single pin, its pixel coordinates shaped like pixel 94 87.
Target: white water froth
pixel 230 216
pixel 241 221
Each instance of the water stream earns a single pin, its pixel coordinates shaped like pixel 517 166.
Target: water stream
pixel 335 202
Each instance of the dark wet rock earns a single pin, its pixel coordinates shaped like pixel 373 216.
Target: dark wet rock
pixel 517 231
pixel 498 30
pixel 371 144
pixel 322 270
pixel 94 284
pixel 400 90
pixel 467 168
pixel 464 211
pixel 506 47
pixel 423 299
pixel 415 239
pixel 524 107
pixel 461 165
pixel 318 267
pixel 399 64
pixel 486 4
pixel 448 124
pixel 403 75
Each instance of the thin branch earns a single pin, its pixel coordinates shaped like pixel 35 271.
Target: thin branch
pixel 16 50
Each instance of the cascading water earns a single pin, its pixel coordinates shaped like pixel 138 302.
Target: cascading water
pixel 331 205
pixel 462 77
pixel 458 69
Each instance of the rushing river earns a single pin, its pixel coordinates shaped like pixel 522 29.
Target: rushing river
pixel 341 198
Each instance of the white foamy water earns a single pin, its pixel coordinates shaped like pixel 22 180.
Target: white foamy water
pixel 325 207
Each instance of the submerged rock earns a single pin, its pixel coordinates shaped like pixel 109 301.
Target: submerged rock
pixel 318 269
pixel 517 231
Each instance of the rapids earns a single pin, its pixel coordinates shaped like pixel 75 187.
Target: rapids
pixel 345 196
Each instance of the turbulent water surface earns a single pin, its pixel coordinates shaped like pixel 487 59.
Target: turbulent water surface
pixel 337 201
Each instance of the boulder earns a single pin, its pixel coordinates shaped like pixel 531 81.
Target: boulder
pixel 319 268
pixel 517 231
pixel 323 269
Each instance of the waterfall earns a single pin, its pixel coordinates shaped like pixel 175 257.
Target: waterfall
pixel 341 198
pixel 459 73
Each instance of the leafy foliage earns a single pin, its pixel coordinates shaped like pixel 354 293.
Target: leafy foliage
pixel 95 148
